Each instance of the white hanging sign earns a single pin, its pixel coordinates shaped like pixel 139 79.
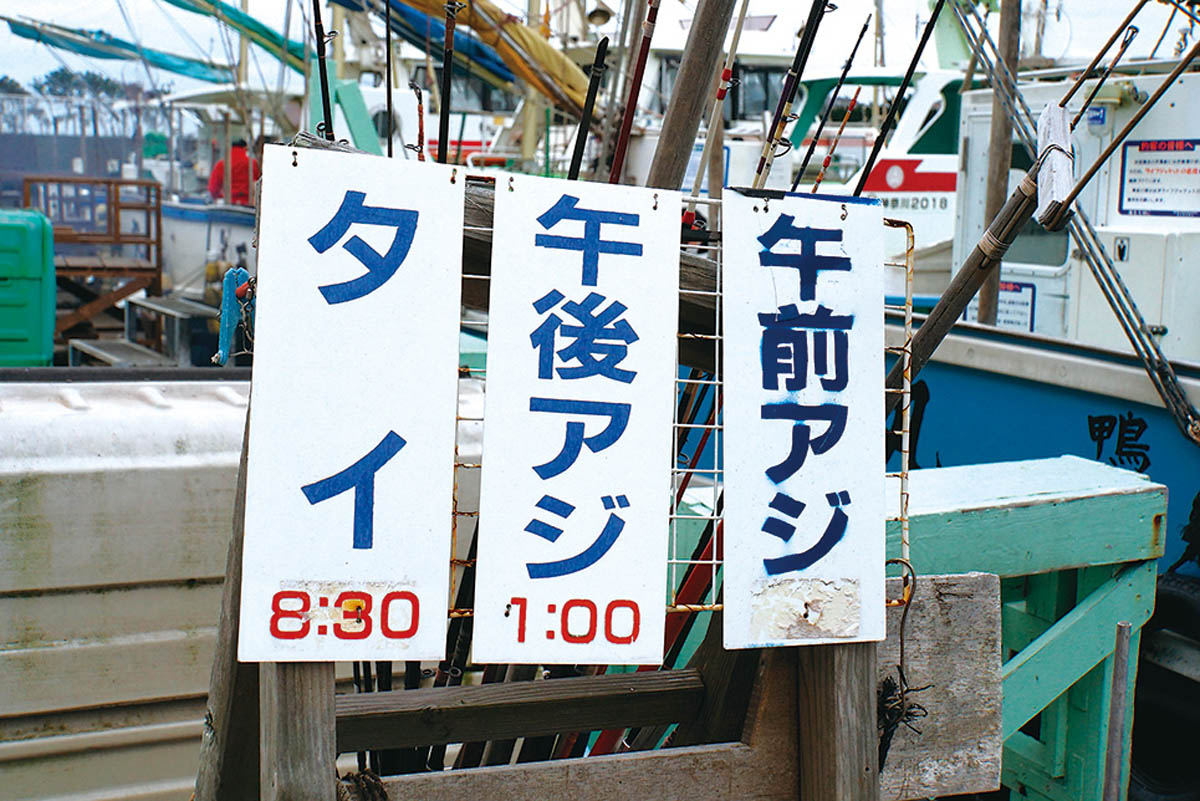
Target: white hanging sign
pixel 804 420
pixel 351 454
pixel 575 494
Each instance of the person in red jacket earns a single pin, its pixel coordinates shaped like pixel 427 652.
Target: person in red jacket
pixel 239 181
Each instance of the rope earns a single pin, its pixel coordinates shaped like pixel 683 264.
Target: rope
pixel 893 707
pixel 992 247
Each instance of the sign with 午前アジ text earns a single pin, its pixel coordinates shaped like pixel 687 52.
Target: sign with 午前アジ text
pixel 350 468
pixel 575 488
pixel 804 420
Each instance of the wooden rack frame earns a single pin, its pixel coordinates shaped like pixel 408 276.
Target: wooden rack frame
pixel 75 205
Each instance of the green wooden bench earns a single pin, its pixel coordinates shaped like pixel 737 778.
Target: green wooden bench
pixel 1074 543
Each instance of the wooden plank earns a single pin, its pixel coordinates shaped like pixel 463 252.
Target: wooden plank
pixel 435 716
pixel 762 768
pixel 838 745
pixel 297 730
pixel 229 748
pixel 728 682
pixel 952 648
pixel 701 57
pixel 89 310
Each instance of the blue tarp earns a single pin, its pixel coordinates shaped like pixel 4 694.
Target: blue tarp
pixel 99 44
pixel 413 26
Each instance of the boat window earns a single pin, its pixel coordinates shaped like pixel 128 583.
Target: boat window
pixel 1036 245
pixel 668 70
pixel 379 119
pixel 470 93
pixel 758 90
pixel 753 22
pixel 861 113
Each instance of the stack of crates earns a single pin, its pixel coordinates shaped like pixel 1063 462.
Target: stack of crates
pixel 27 288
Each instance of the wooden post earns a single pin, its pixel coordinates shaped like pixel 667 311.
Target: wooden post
pixel 716 172
pixel 530 121
pixel 298 731
pixel 228 188
pixel 838 744
pixel 1000 149
pixel 703 51
pixel 229 743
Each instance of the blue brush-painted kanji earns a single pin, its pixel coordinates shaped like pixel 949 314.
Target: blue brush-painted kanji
pixel 601 341
pixel 618 418
pixel 807 263
pixel 379 267
pixel 802 440
pixel 555 507
pixel 834 531
pixel 788 506
pixel 590 555
pixel 360 477
pixel 590 244
pixel 785 352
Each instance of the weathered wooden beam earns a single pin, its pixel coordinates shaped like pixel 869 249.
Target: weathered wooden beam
pixel 701 56
pixel 729 679
pixel 229 744
pixel 1000 150
pixel 838 745
pixel 952 664
pixel 296 708
pixel 762 767
pixel 440 715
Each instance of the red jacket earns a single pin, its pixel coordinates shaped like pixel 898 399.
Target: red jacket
pixel 239 183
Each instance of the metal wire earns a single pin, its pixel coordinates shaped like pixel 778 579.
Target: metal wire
pixel 904 352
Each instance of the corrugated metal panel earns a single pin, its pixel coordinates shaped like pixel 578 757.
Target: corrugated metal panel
pixel 115 509
pixel 116 503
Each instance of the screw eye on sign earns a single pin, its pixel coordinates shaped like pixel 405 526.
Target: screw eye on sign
pixel 350 473
pixel 575 486
pixel 804 421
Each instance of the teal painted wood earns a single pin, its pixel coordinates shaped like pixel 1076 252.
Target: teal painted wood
pixel 1027 761
pixel 1074 542
pixel 1074 645
pixel 1024 518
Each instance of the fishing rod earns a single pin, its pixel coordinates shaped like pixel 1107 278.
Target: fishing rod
pixel 319 32
pixel 1125 23
pixel 419 147
pixel 890 119
pixel 1008 223
pixel 1158 369
pixel 635 88
pixel 837 138
pixel 812 146
pixel 694 587
pixel 786 97
pixel 1130 34
pixel 388 43
pixel 452 9
pixel 716 115
pixel 585 121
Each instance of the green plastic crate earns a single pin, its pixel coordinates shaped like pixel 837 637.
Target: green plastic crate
pixel 27 288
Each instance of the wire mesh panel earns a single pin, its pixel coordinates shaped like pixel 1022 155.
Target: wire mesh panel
pixel 904 353
pixel 694 555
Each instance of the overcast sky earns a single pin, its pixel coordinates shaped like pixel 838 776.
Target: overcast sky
pixel 1075 29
